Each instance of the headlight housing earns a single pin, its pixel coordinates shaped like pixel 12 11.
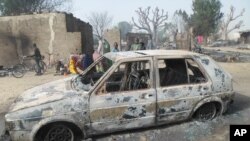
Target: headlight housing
pixel 13 125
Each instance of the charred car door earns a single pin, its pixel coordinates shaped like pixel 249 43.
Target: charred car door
pixel 125 98
pixel 182 84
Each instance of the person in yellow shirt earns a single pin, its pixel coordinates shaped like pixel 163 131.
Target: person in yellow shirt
pixel 73 65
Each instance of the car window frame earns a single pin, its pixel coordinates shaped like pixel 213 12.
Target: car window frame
pixel 157 73
pixel 202 70
pixel 116 65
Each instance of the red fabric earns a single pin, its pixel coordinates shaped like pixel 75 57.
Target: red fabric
pixel 200 39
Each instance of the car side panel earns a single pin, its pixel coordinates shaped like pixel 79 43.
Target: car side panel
pixel 122 111
pixel 175 103
pixel 221 80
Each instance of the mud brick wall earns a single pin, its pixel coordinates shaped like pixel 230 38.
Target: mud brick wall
pixel 245 37
pixel 183 41
pixel 56 35
pixel 8 52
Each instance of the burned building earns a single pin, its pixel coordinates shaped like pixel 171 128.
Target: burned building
pixel 56 35
pixel 245 37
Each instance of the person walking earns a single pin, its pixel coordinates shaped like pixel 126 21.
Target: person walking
pixel 37 56
pixel 143 47
pixel 115 48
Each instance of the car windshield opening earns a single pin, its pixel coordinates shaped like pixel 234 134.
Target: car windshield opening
pixel 88 79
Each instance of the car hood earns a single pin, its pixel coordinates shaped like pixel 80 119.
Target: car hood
pixel 46 93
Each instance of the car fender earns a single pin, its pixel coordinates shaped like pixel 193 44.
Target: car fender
pixel 208 100
pixel 50 120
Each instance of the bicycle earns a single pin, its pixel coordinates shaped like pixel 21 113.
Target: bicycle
pixel 34 67
pixel 42 65
pixel 25 66
pixel 16 71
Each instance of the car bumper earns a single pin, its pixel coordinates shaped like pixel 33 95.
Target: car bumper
pixel 228 101
pixel 18 135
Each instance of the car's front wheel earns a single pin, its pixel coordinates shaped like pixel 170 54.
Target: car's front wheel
pixel 59 133
pixel 206 112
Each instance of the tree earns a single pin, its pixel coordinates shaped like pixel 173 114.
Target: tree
pixel 17 7
pixel 206 17
pixel 151 21
pixel 124 28
pixel 229 19
pixel 181 20
pixel 180 23
pixel 100 22
pixel 170 30
pixel 162 36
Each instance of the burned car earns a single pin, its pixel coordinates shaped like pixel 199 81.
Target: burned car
pixel 121 91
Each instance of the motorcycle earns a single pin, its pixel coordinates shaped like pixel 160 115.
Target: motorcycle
pixel 16 71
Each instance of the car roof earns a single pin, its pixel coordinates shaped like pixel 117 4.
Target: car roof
pixel 115 56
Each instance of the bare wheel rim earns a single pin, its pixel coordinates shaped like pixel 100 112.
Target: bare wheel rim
pixel 42 67
pixel 207 112
pixel 18 71
pixel 60 133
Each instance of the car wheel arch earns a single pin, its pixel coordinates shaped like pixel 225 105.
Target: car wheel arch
pixel 45 124
pixel 218 102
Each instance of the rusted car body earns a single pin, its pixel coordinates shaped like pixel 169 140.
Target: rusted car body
pixel 121 91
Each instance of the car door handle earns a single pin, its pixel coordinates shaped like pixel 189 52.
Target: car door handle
pixel 146 96
pixel 165 90
pixel 205 88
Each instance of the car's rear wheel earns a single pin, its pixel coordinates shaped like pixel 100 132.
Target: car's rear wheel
pixel 59 133
pixel 206 112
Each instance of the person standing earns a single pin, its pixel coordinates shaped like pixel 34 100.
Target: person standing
pixel 143 47
pixel 150 44
pixel 136 45
pixel 37 55
pixel 73 64
pixel 115 48
pixel 86 61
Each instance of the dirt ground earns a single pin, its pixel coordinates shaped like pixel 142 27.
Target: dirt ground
pixel 215 130
pixel 12 87
pixel 241 76
pixel 231 49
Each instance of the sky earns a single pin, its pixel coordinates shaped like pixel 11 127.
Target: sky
pixel 124 10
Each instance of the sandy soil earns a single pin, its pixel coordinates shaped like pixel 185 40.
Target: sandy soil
pixel 215 130
pixel 241 76
pixel 12 87
pixel 231 49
